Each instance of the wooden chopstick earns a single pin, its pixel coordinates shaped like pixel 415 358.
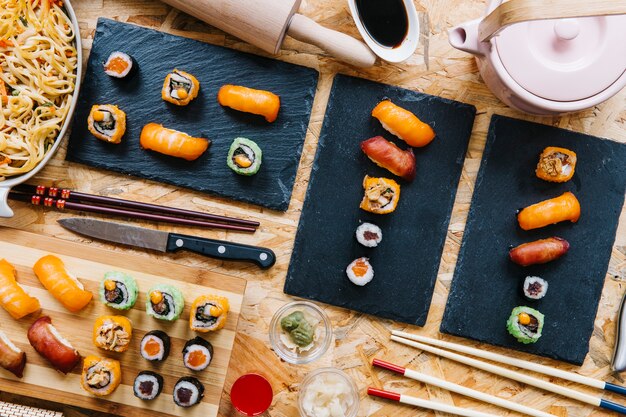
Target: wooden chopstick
pixel 427 404
pixel 459 389
pixel 61 204
pixel 70 195
pixel 518 363
pixel 507 373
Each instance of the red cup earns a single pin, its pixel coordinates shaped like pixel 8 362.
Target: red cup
pixel 251 394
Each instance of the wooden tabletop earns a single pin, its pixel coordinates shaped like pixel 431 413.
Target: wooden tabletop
pixel 437 69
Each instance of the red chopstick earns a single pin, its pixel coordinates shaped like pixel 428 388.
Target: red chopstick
pixel 61 204
pixel 69 195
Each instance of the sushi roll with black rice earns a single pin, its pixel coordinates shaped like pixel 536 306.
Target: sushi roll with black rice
pixel 188 391
pixel 155 346
pixel 197 354
pixel 148 385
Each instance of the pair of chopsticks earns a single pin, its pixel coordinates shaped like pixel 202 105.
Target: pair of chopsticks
pixel 73 200
pixel 428 345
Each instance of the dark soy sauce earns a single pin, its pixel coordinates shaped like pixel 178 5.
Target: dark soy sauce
pixel 386 21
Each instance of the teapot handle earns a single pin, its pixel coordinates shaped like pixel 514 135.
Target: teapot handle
pixel 516 11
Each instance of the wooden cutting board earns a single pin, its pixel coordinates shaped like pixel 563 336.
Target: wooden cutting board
pixel 22 249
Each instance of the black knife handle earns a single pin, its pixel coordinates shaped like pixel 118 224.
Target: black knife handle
pixel 220 249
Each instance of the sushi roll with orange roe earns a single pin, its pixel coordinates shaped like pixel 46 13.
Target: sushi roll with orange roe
pixel 404 124
pixel 360 271
pixel 118 65
pixel 249 100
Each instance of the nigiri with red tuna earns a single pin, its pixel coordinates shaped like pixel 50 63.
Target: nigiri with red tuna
pixel 389 156
pixel 49 343
pixel 12 358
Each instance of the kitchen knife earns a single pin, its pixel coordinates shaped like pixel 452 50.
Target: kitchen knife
pixel 169 242
pixel 619 353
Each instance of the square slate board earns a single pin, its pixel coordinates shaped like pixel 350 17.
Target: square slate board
pixel 156 54
pixel 406 262
pixel 487 285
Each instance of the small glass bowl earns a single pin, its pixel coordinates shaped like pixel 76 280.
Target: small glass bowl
pixel 324 333
pixel 312 376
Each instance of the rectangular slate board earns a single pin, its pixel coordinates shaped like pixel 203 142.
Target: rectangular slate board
pixel 156 54
pixel 406 262
pixel 487 285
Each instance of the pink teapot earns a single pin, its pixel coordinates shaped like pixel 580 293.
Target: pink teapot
pixel 549 57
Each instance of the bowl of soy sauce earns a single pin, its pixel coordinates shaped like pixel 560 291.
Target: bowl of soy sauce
pixel 389 27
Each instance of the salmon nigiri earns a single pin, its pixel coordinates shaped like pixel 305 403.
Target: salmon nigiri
pixel 68 290
pixel 172 142
pixel 261 102
pixel 403 124
pixel 12 296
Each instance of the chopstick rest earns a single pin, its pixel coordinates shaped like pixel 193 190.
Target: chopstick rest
pixel 459 389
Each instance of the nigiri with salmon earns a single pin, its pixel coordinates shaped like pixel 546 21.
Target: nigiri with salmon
pixel 403 124
pixel 249 100
pixel 172 142
pixel 68 290
pixel 12 296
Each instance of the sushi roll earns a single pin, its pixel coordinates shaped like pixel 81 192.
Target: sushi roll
pixel 369 235
pixel 188 391
pixel 535 288
pixel 180 87
pixel 12 358
pixel 172 142
pixel 112 333
pixel 107 122
pixel 64 287
pixel 101 376
pixel 165 302
pixel 525 324
pixel 360 271
pixel 118 65
pixel 13 298
pixel 197 354
pixel 249 100
pixel 208 312
pixel 403 124
pixel 148 385
pixel 155 346
pixel 381 195
pixel 244 157
pixel 118 290
pixel 49 343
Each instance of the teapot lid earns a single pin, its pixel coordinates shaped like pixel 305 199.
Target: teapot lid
pixel 565 59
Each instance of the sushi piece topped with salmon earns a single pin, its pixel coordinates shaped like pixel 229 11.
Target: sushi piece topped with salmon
pixel 388 155
pixel 403 124
pixel 180 87
pixel 12 296
pixel 67 289
pixel 261 102
pixel 172 142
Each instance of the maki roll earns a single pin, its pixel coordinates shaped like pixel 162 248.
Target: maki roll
pixel 155 346
pixel 525 324
pixel 12 358
pixel 148 385
pixel 244 157
pixel 118 65
pixel 188 391
pixel 360 271
pixel 208 312
pixel 369 235
pixel 249 100
pixel 118 290
pixel 180 88
pixel 165 302
pixel 197 354
pixel 535 288
pixel 112 333
pixel 381 195
pixel 107 122
pixel 101 376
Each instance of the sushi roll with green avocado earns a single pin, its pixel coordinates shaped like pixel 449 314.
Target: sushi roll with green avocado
pixel 118 290
pixel 244 157
pixel 525 324
pixel 164 302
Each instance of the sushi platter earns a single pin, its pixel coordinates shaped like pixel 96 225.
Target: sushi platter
pixel 90 265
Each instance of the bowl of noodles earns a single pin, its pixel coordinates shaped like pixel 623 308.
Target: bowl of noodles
pixel 40 74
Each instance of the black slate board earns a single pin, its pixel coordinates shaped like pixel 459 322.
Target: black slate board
pixel 139 96
pixel 407 260
pixel 487 285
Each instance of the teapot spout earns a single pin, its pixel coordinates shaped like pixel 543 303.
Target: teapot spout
pixel 465 37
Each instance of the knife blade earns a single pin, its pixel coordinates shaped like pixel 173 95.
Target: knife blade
pixel 169 242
